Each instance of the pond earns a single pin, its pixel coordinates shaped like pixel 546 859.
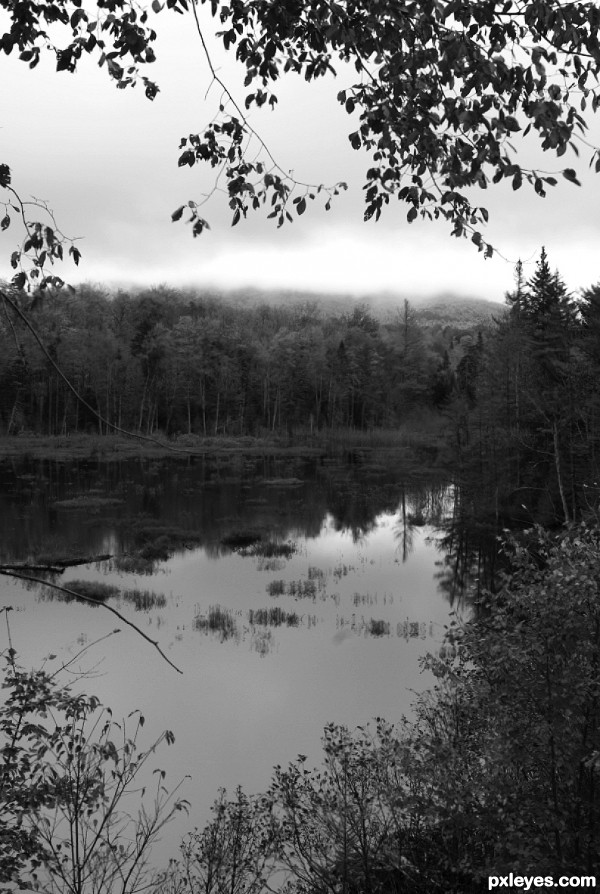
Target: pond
pixel 298 592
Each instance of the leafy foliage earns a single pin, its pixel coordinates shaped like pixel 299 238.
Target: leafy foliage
pixel 66 769
pixel 444 94
pixel 498 769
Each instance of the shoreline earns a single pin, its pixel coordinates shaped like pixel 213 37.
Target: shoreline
pixel 114 447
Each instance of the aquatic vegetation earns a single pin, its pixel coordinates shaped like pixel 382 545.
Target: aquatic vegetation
pixel 218 620
pixel 364 599
pixel 153 542
pixel 85 588
pixel 242 538
pixel 134 564
pixel 152 535
pixel 342 570
pixel 270 550
pixel 316 574
pixel 262 641
pixel 378 627
pixel 273 617
pixel 270 564
pixel 276 587
pixel 302 589
pixel 144 600
pixel 413 629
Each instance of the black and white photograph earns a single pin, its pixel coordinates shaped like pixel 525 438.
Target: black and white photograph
pixel 299 446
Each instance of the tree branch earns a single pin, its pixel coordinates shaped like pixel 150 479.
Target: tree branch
pixel 39 580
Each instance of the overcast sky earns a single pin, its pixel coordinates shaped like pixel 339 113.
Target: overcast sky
pixel 106 161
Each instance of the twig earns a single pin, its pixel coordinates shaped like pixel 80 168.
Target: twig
pixel 39 580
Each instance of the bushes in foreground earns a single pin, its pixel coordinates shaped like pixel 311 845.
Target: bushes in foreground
pixel 496 772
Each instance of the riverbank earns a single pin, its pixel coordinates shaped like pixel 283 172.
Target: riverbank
pixel 426 439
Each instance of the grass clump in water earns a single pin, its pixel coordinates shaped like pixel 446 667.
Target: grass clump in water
pixel 276 588
pixel 273 617
pixel 378 628
pixel 270 550
pixel 91 589
pixel 153 542
pixel 144 600
pixel 242 538
pixel 302 589
pixel 218 620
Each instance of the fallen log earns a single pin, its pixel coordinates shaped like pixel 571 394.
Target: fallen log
pixel 56 567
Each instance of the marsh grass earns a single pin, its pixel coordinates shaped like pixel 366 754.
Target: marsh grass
pixel 144 600
pixel 134 564
pixel 378 627
pixel 276 588
pixel 298 589
pixel 273 617
pixel 342 571
pixel 269 549
pixel 92 589
pixel 152 542
pixel 242 538
pixel 302 589
pixel 218 620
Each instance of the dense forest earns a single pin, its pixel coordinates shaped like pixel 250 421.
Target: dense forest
pixel 161 360
pixel 513 396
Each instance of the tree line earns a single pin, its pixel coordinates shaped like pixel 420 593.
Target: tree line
pixel 526 418
pixel 514 402
pixel 163 361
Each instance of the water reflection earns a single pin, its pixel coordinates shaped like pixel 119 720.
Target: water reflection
pixel 291 593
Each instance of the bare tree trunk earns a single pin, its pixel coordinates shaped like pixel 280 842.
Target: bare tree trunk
pixel 217 411
pixel 558 471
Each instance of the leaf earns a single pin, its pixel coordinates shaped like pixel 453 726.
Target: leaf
pixel 301 206
pixel 178 213
pixel 156 6
pixel 570 175
pixel 412 214
pixel 5 222
pixel 4 176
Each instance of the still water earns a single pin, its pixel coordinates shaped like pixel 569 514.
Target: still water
pixel 327 623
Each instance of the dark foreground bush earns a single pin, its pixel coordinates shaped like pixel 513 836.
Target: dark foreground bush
pixel 497 771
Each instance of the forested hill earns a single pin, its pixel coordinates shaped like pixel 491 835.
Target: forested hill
pixel 448 308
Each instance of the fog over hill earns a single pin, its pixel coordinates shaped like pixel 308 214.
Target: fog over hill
pixel 446 307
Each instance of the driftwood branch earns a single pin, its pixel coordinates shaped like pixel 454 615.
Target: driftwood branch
pixel 74 593
pixel 56 567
